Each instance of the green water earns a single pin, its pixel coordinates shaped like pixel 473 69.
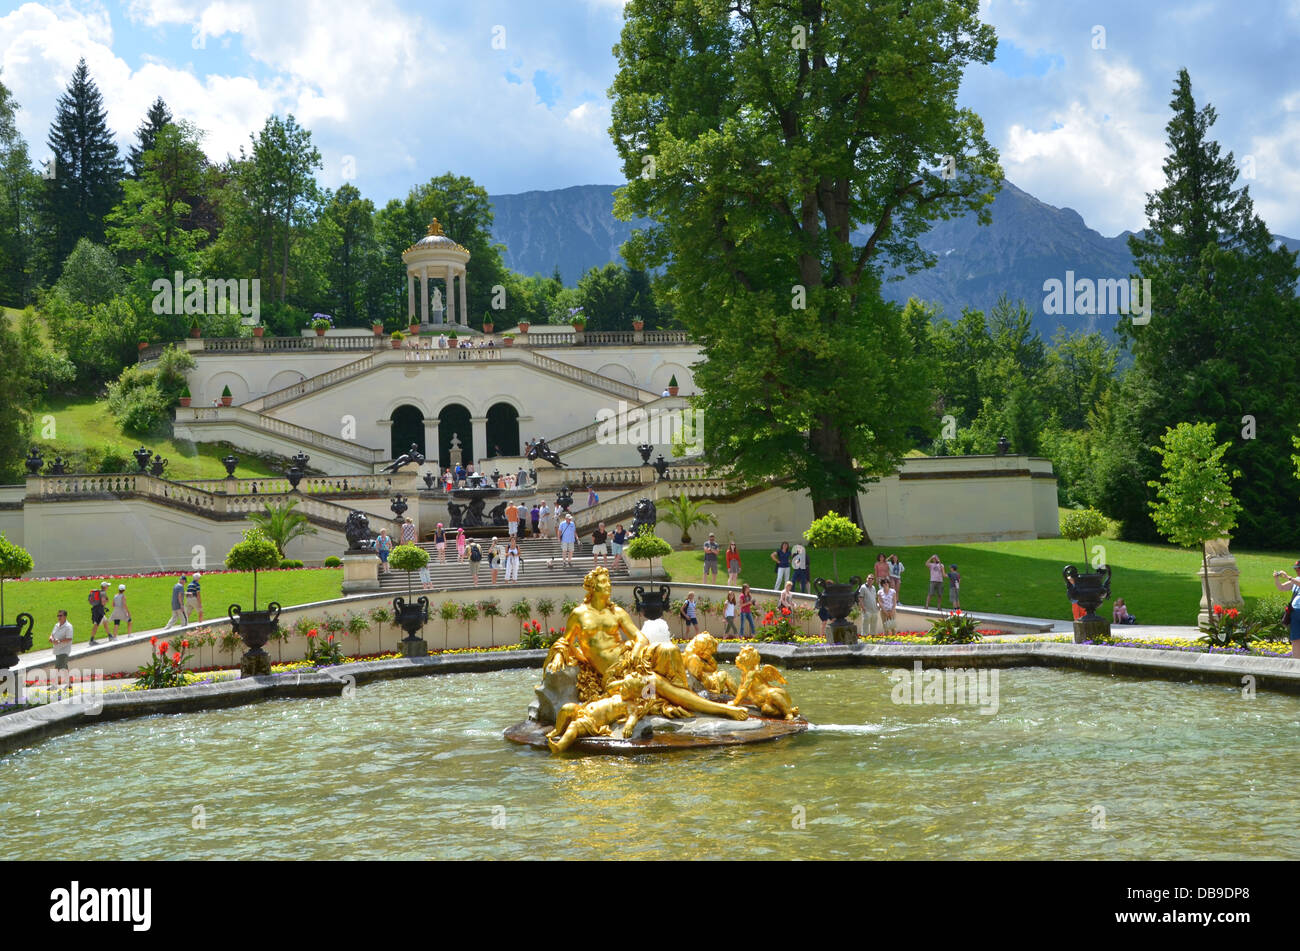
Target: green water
pixel 418 769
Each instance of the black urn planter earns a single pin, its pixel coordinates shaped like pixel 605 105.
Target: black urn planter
pixel 300 459
pixel 255 628
pixel 158 467
pixel 411 618
pixel 142 457
pixel 230 462
pixel 294 475
pixel 1089 590
pixel 34 462
pixel 652 604
pixel 838 600
pixel 14 640
pixel 644 449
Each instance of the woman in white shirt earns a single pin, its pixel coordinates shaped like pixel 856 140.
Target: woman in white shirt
pixel 512 562
pixel 729 614
pixel 888 601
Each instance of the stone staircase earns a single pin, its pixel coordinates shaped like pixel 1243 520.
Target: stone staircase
pixel 535 552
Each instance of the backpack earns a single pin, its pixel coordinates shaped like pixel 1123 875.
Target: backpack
pixel 94 597
pixel 475 553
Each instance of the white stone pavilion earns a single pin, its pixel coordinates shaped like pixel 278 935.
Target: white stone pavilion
pixel 437 258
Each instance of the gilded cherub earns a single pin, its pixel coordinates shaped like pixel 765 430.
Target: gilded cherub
pixel 703 666
pixel 759 684
pixel 576 720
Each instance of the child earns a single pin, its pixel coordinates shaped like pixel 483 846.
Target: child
pixel 595 718
pixel 954 588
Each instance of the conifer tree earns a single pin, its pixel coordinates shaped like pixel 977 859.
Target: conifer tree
pixel 147 134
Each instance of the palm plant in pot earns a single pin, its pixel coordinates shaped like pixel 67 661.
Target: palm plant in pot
pixel 685 514
pixel 256 552
pixel 411 614
pixel 14 563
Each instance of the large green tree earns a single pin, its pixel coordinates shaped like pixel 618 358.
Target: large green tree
pixel 787 154
pixel 351 260
pixel 87 172
pixel 1219 347
pixel 147 134
pixel 19 187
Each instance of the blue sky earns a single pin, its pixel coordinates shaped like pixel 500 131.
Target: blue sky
pixel 513 93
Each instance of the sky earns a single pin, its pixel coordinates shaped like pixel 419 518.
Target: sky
pixel 514 94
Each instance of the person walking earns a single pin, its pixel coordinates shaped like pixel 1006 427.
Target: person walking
pixel 888 602
pixel 729 614
pixel 592 497
pixel 881 569
pixel 711 550
pixel 690 622
pixel 513 562
pixel 782 558
pixel 120 611
pixel 440 543
pixel 512 519
pixel 460 545
pixel 954 588
pixel 475 560
pixel 535 517
pixel 799 568
pixel 896 578
pixel 936 581
pixel 746 610
pixel 178 603
pixel 408 533
pixel 1286 582
pixel 617 541
pixel 869 606
pixel 785 601
pixel 61 641
pixel 544 519
pixel 598 544
pixel 496 560
pixel 426 578
pixel 733 564
pixel 98 599
pixel 194 598
pixel 568 534
pixel 383 545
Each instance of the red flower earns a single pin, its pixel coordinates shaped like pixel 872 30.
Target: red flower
pixel 330 638
pixel 785 612
pixel 185 644
pixel 163 647
pixel 176 658
pixel 769 618
pixel 1232 612
pixel 312 632
pixel 1218 609
pixel 153 640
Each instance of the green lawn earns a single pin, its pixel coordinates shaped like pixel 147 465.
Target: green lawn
pixel 1158 582
pixel 84 424
pixel 149 599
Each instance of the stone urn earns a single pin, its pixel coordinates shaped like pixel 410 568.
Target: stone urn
pixel 14 640
pixel 838 600
pixel 158 467
pixel 428 480
pixel 411 618
pixel 294 475
pixel 300 459
pixel 34 462
pixel 59 466
pixel 142 457
pixel 644 450
pixel 255 628
pixel 652 604
pixel 230 462
pixel 1089 589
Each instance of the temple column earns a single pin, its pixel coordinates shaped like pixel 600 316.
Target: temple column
pixel 464 310
pixel 450 303
pixel 410 296
pixel 431 445
pixel 478 426
pixel 424 295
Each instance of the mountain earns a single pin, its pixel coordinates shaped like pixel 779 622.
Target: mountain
pixel 1027 243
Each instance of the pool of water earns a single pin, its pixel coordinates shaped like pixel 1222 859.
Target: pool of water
pixel 1071 766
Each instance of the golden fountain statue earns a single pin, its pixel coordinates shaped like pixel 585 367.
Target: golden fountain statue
pixel 603 678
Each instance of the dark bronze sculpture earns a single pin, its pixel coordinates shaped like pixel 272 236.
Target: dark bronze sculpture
pixel 539 450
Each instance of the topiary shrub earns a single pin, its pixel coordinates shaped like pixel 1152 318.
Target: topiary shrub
pixel 256 552
pixel 333 561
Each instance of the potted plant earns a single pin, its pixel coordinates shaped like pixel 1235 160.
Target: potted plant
pixel 641 552
pixel 507 340
pixel 320 325
pixel 185 396
pixel 144 344
pixel 834 531
pixel 672 385
pixel 378 328
pixel 226 396
pixel 1088 588
pixel 523 326
pixel 397 339
pixel 14 563
pixel 638 325
pixel 258 330
pixel 195 330
pixel 410 614
pixel 685 514
pixel 256 552
pixel 488 326
pixel 413 328
pixel 453 340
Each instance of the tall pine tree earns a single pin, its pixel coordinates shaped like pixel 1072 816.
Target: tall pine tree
pixel 147 134
pixel 18 190
pixel 1219 347
pixel 87 173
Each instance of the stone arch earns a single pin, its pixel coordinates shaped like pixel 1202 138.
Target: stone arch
pixel 455 418
pixel 502 429
pixel 666 371
pixel 407 428
pixel 619 372
pixel 239 390
pixel 284 378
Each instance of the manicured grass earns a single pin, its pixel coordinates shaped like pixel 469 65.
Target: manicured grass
pixel 82 424
pixel 1158 582
pixel 149 599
